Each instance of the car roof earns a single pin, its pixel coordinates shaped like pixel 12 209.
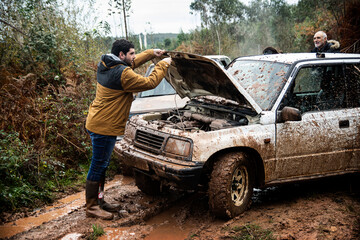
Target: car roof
pixel 290 58
pixel 193 75
pixel 216 56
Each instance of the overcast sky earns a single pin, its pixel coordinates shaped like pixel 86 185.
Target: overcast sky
pixel 156 16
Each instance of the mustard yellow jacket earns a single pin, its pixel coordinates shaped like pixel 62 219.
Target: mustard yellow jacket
pixel 116 83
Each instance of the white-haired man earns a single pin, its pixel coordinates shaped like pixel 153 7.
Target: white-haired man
pixel 323 45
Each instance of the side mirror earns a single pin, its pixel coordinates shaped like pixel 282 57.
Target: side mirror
pixel 289 114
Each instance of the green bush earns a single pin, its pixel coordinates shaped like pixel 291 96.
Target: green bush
pixel 47 77
pixel 19 174
pixel 28 179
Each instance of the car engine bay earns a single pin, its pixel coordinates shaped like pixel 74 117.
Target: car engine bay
pixel 205 114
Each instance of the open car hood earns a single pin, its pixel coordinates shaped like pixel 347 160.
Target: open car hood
pixel 193 75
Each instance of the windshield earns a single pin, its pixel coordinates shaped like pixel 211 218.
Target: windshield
pixel 164 88
pixel 263 80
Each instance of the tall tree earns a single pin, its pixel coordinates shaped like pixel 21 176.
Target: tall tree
pixel 214 12
pixel 123 7
pixel 217 16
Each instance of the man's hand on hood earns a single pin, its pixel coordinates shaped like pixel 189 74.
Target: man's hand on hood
pixel 159 52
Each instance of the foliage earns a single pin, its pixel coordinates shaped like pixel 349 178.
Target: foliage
pixel 250 232
pixel 98 231
pixel 17 171
pixel 157 40
pixel 27 177
pixel 46 75
pixel 216 12
pixel 122 8
pixel 234 29
pixel 349 30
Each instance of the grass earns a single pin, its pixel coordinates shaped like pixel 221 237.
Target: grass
pixel 97 232
pixel 192 236
pixel 250 232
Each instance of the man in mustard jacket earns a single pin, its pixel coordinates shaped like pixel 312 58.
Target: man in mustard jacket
pixel 108 113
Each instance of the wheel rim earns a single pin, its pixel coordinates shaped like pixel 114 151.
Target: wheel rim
pixel 239 185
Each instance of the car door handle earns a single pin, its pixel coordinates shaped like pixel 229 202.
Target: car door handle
pixel 344 124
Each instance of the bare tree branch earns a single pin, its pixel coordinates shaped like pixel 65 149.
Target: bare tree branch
pixel 3 21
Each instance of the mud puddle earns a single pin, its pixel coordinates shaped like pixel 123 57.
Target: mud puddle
pixel 162 226
pixel 67 219
pixel 166 226
pixel 177 222
pixel 61 208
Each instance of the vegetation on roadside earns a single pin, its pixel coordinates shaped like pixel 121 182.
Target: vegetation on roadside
pixel 47 75
pixel 98 231
pixel 249 232
pixel 235 29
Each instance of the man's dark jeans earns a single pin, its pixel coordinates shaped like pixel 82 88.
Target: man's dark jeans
pixel 102 148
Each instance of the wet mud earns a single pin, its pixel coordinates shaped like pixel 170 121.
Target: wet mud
pixel 322 209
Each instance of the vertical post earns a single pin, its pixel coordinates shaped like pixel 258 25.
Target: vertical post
pixel 140 41
pixel 125 20
pixel 145 41
pixel 217 33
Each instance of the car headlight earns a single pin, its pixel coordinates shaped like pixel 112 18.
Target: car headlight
pixel 179 147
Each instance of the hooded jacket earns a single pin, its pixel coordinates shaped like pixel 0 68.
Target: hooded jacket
pixel 331 46
pixel 116 83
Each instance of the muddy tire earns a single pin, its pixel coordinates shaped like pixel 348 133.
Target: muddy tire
pixel 146 184
pixel 231 185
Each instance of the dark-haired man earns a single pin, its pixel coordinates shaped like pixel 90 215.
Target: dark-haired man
pixel 323 45
pixel 108 113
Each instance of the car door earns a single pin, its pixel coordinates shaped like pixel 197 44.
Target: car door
pixel 353 104
pixel 322 142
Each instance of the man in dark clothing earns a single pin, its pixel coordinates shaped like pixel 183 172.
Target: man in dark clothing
pixel 323 45
pixel 108 113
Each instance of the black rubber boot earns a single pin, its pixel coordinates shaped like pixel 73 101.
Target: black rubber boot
pixel 92 206
pixel 104 205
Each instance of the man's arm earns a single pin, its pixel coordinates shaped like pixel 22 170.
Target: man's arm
pixel 133 82
pixel 145 56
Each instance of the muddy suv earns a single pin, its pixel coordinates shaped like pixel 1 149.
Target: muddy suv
pixel 263 121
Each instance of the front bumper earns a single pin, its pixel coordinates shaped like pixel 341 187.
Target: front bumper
pixel 185 174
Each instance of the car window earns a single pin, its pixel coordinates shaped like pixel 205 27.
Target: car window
pixel 164 88
pixel 307 81
pixel 318 88
pixel 263 80
pixel 225 61
pixel 353 85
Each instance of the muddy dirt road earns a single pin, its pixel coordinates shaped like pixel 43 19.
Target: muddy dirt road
pixel 325 209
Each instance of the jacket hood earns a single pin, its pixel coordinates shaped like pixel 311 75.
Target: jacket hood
pixel 335 44
pixel 193 75
pixel 108 61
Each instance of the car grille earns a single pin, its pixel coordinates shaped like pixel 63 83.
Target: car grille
pixel 148 141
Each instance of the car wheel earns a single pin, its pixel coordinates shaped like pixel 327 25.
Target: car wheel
pixel 146 184
pixel 231 185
